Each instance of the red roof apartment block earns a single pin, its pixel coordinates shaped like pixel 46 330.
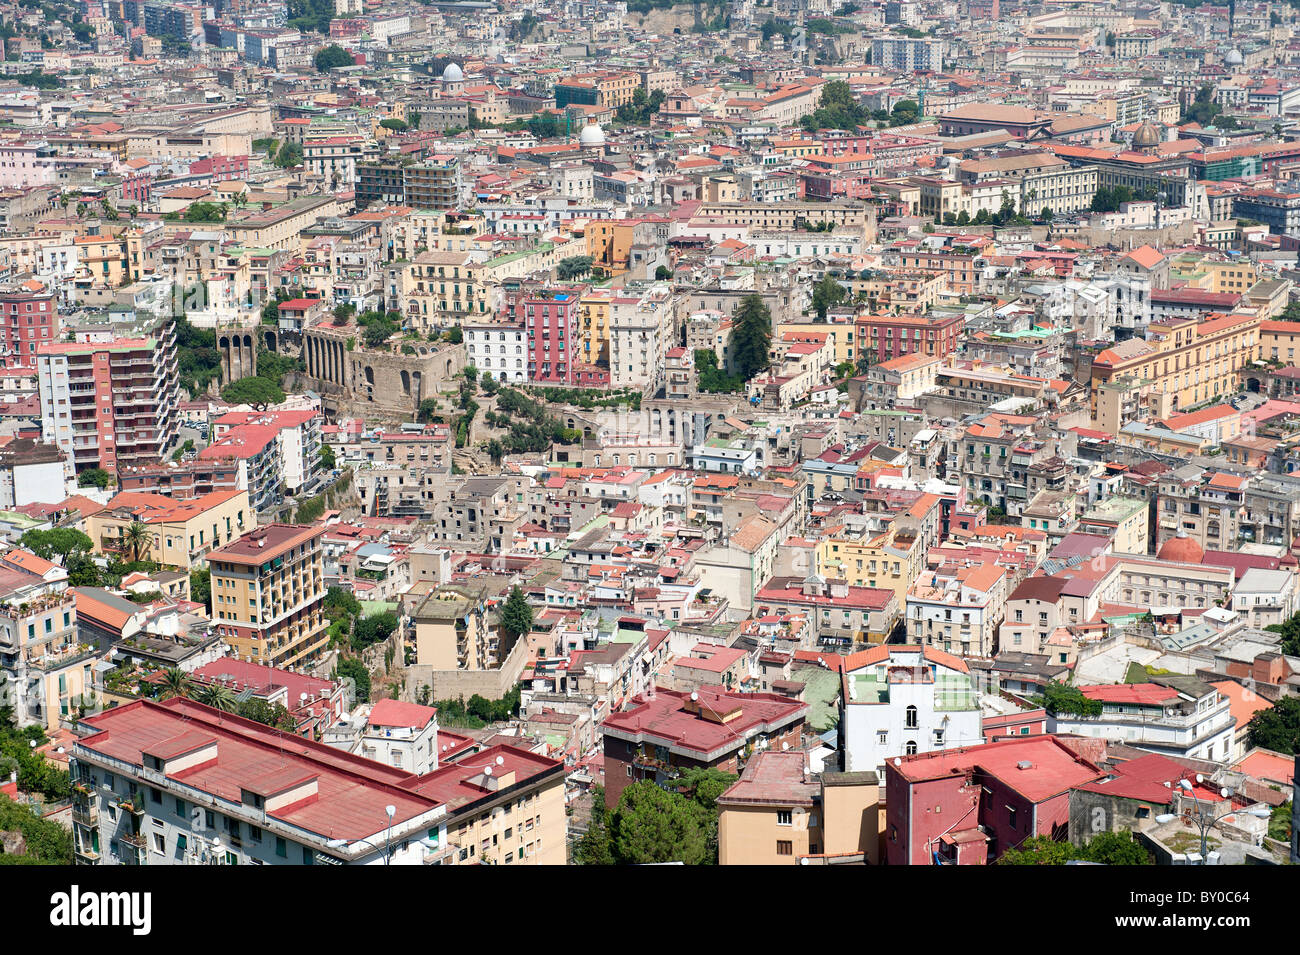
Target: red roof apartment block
pixel 968 806
pixel 663 732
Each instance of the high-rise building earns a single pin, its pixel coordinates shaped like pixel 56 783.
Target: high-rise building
pixel 268 595
pixel 28 318
pixel 110 404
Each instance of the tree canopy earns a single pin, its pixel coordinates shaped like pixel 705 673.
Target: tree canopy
pixel 838 108
pixel 253 391
pixel 516 613
pixel 1278 727
pixel 332 57
pixel 751 336
pixel 57 543
pixel 651 825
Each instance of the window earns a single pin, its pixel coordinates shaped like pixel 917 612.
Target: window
pixel 784 817
pixel 281 848
pixel 1011 816
pixel 911 747
pixel 911 718
pixel 784 847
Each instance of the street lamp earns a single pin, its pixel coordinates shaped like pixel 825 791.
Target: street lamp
pixel 1205 821
pixel 388 849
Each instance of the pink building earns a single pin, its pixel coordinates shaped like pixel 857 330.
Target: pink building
pixel 28 318
pixel 968 806
pixel 551 320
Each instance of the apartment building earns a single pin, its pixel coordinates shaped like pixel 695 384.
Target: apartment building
pixel 110 404
pixel 180 532
pixel 883 337
pixel 46 668
pixel 268 593
pixel 640 332
pixel 957 608
pixel 29 318
pixel 179 783
pixel 1191 361
pixel 779 813
pixel 554 343
pixel 498 348
pixel 664 732
pixel 450 629
pixel 904 700
pixel 435 183
pixel 1177 715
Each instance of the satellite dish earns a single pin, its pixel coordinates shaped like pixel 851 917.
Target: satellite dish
pixel 501 760
pixel 1200 778
pixel 898 761
pixel 694 696
pixel 487 770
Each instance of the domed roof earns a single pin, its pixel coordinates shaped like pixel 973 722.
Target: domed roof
pixel 1181 550
pixel 1234 58
pixel 1146 135
pixel 591 135
pixel 452 74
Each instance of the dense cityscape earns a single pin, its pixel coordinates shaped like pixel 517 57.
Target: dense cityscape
pixel 497 432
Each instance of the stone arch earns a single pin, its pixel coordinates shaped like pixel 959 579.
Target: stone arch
pixel 406 382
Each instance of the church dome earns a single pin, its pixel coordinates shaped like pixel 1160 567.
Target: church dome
pixel 1181 550
pixel 452 74
pixel 591 135
pixel 1234 58
pixel 1146 136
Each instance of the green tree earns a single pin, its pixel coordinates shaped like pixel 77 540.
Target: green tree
pixel 94 477
pixel 47 842
pixel 428 408
pixel 594 847
pixel 1062 698
pixel 201 586
pixel 711 378
pixel 135 540
pixel 272 714
pixel 516 614
pixel 1278 727
pixel 1116 848
pixel 1039 850
pixel 175 682
pixel 354 669
pixel 838 108
pixel 751 335
pixel 651 825
pixel 58 542
pixel 253 391
pixel 332 57
pixel 573 267
pixel 826 295
pixel 216 695
pixel 289 155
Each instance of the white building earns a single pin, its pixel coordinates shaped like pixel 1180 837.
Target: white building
pixel 902 700
pixel 497 347
pixel 400 734
pixel 1265 597
pixel 1178 716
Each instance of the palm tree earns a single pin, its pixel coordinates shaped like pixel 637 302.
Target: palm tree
pixel 135 538
pixel 176 682
pixel 217 696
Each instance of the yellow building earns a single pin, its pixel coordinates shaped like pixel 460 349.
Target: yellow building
pixel 179 533
pixel 450 631
pixel 1190 361
pixel 840 335
pixel 593 311
pixel 890 561
pixel 268 595
pixel 778 813
pixel 519 819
